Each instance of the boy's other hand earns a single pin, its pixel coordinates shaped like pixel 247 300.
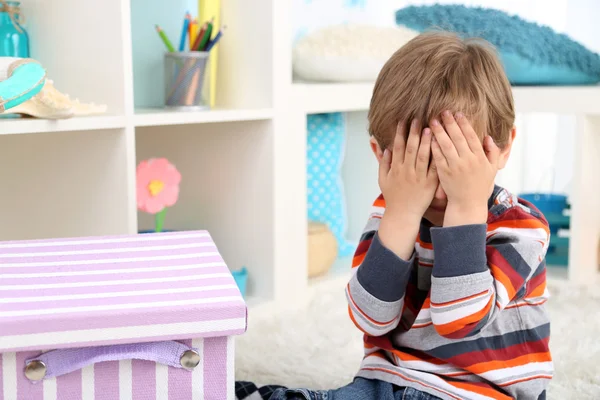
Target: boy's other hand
pixel 466 171
pixel 408 184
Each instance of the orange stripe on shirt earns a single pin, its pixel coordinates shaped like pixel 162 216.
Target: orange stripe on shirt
pixel 449 303
pixel 423 244
pixel 515 362
pixel 538 291
pixel 525 304
pixel 357 260
pixel 451 327
pixel 529 223
pixel 529 378
pixel 354 320
pixel 379 202
pixel 501 277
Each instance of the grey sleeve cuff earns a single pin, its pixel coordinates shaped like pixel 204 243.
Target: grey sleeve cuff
pixel 459 250
pixel 382 273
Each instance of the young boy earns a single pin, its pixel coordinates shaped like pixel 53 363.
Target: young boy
pixel 458 313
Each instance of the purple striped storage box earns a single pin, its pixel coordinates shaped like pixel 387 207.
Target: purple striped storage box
pixel 136 317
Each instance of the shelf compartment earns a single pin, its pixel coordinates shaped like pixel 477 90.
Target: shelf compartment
pixel 66 184
pixel 226 188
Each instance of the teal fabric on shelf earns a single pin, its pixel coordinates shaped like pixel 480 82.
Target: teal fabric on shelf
pixel 25 78
pixel 532 54
pixel 326 141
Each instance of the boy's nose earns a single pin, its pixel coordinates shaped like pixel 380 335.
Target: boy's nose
pixel 439 193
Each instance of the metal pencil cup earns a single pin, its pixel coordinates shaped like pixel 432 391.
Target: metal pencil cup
pixel 186 80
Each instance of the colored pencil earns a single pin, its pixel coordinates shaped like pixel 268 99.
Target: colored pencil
pixel 213 8
pixel 199 37
pixel 165 39
pixel 214 41
pixel 206 37
pixel 193 31
pixel 184 31
pixel 192 90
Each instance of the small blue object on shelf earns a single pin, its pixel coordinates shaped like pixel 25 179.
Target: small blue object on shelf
pixel 15 41
pixel 241 278
pixel 553 207
pixel 531 54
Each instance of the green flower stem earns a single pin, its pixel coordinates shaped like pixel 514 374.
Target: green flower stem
pixel 160 220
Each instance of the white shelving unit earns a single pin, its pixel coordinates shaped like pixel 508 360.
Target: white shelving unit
pixel 160 117
pixel 243 163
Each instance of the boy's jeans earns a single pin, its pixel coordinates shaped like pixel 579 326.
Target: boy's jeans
pixel 360 389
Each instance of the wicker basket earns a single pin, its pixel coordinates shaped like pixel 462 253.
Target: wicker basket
pixel 322 249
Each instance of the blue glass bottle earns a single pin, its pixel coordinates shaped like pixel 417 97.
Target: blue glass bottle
pixel 12 42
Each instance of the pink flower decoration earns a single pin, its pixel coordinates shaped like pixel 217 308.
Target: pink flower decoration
pixel 157 185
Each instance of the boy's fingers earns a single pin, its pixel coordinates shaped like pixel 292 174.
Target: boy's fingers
pixel 438 157
pixel 432 171
pixel 412 143
pixel 384 164
pixel 469 133
pixel 455 133
pixel 399 143
pixel 444 142
pixel 424 152
pixel 492 151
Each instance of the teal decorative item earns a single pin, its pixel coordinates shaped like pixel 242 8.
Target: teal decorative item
pixel 553 207
pixel 532 54
pixel 325 153
pixel 14 38
pixel 241 278
pixel 20 80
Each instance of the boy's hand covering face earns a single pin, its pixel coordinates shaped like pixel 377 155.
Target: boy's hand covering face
pixel 406 179
pixel 466 168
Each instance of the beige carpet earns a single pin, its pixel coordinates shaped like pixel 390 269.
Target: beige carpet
pixel 319 347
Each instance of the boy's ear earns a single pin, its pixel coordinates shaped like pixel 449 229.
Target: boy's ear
pixel 505 152
pixel 376 149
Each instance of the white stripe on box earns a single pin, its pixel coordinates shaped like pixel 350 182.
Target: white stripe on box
pixel 128 239
pixel 9 376
pixel 230 368
pixel 113 283
pixel 106 295
pixel 89 336
pixel 112 271
pixel 50 389
pixel 125 380
pixel 198 372
pixel 111 307
pixel 87 382
pixel 162 381
pixel 110 251
pixel 120 260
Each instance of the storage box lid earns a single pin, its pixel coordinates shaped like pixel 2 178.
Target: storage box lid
pixel 119 289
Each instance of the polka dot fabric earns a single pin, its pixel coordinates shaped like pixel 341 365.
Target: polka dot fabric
pixel 325 154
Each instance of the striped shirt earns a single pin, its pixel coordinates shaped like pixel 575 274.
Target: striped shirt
pixel 464 318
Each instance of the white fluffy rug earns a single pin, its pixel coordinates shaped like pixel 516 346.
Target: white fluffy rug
pixel 319 347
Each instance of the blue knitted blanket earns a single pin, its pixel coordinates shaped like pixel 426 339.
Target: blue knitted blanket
pixel 532 43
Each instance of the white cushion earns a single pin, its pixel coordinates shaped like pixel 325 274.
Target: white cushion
pixel 347 53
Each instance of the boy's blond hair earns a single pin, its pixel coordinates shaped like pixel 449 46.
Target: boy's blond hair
pixel 439 71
